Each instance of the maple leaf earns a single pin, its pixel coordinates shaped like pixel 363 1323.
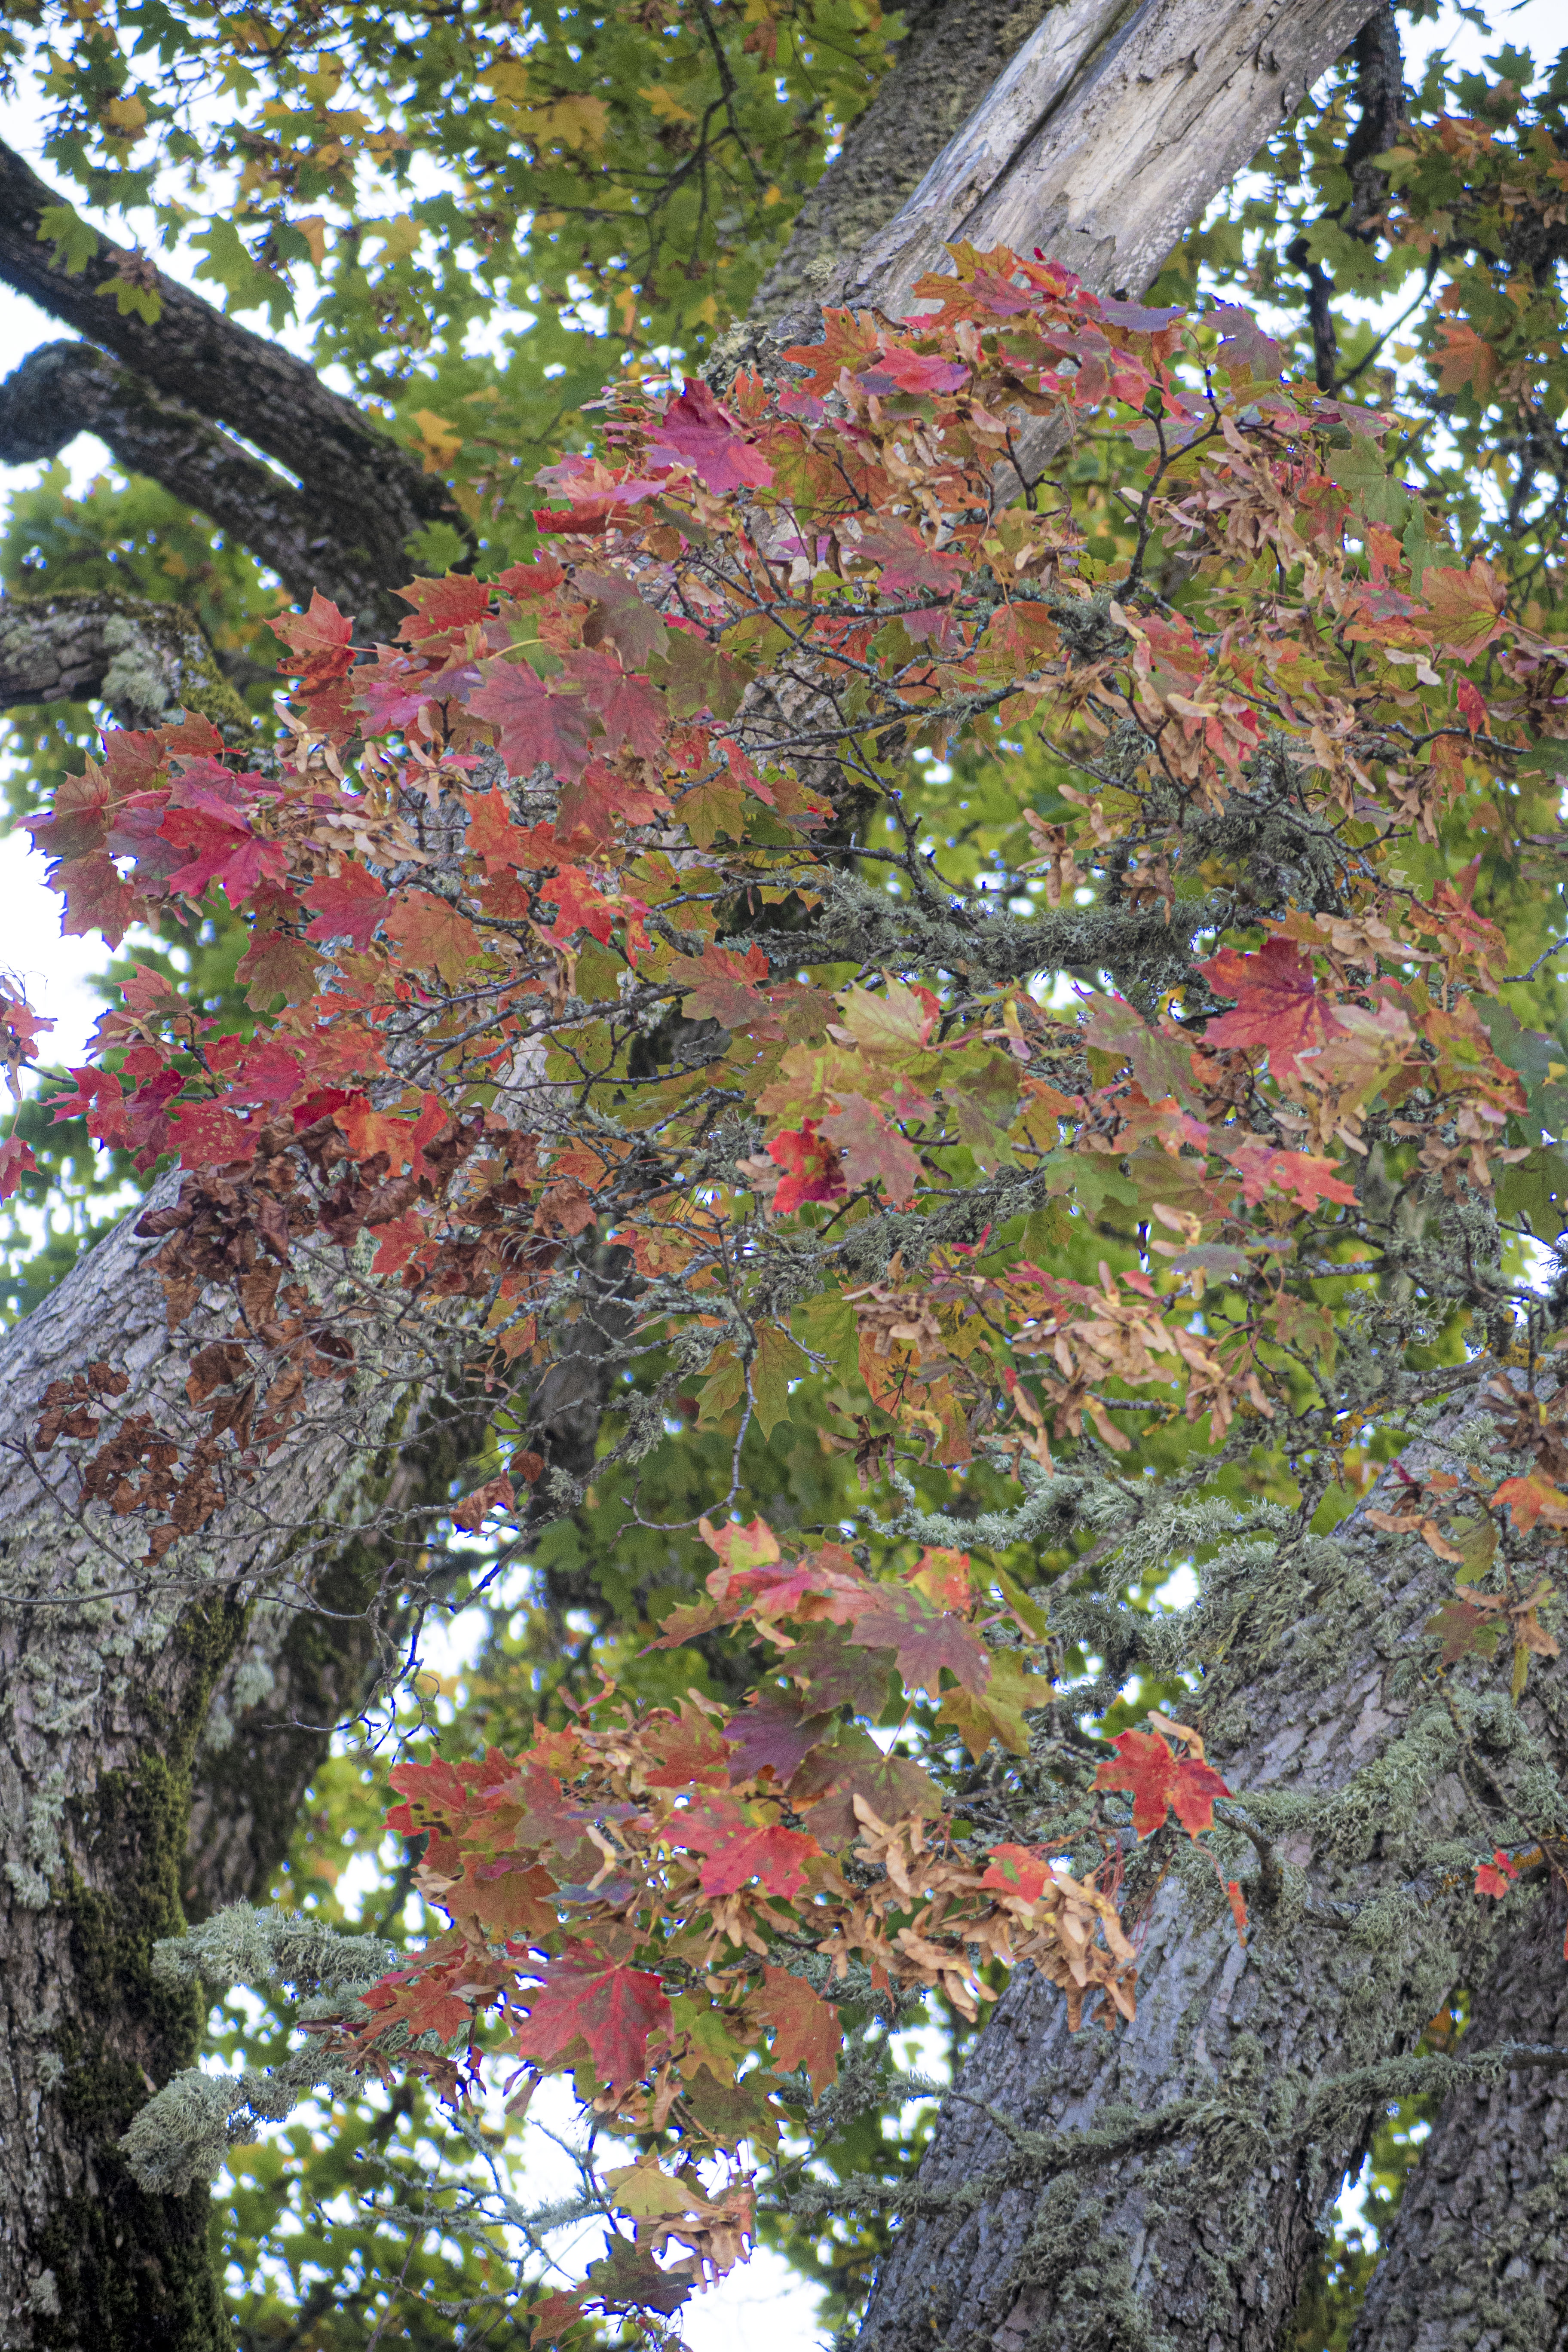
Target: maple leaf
pixel 848 342
pixel 628 708
pixel 1464 1629
pixel 432 936
pixel 612 2008
pixel 454 603
pixel 617 613
pixel 1466 607
pixel 923 1640
pixel 1158 1782
pixel 832 1670
pixel 898 369
pixel 17 1160
pixel 1531 1498
pixel 583 907
pixel 1017 1870
pixel 696 431
pixel 999 1711
pixel 852 1766
pixel 601 794
pixel 1278 1004
pixel 813 1168
pixel 739 1848
pixel 806 2031
pixel 873 1151
pixel 1467 359
pixel 1492 1877
pixel 322 639
pixel 773 1733
pixel 550 2318
pixel 1307 1180
pixel 910 568
pixel 535 727
pixel 276 965
pixel 347 905
pixel 723 987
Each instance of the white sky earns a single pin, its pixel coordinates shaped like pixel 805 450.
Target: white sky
pixel 762 2308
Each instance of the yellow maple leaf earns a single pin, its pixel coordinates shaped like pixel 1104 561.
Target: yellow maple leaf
pixel 665 105
pixel 437 444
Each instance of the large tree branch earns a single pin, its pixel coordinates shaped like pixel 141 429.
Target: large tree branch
pixel 64 389
pixel 146 661
pixel 370 495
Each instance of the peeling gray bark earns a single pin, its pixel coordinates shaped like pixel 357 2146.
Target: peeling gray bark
pixel 950 57
pixel 1476 2260
pixel 64 389
pixel 369 494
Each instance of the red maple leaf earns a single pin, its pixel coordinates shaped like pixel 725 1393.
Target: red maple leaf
pixel 17 1160
pixel 1146 1765
pixel 432 936
pixel 221 849
pixel 774 1733
pixel 323 639
pixel 1306 1179
pixel 873 1151
pixel 347 905
pixel 1016 1869
pixel 910 568
pixel 209 1135
pixel 1492 1877
pixel 812 1170
pixel 628 708
pixel 614 2009
pixel 583 907
pixel 695 431
pixel 454 603
pixel 739 1848
pixel 723 987
pixel 1278 1004
pixel 898 369
pixel 846 341
pixel 535 726
pixel 602 793
pixel 806 2031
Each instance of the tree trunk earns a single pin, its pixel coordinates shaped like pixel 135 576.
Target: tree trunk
pixel 1476 2260
pixel 1164 2185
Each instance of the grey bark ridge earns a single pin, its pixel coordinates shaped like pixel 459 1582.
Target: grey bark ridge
pixel 1476 2260
pixel 65 388
pixel 370 494
pixel 1343 1751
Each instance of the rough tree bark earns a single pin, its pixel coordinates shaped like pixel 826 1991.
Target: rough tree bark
pixel 1188 2224
pixel 1476 2260
pixel 1164 2185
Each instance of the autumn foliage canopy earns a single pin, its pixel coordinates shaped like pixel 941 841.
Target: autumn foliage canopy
pixel 571 1000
